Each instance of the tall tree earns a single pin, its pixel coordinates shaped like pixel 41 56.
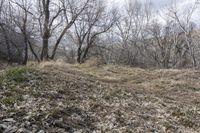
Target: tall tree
pixel 75 10
pixel 24 22
pixel 53 16
pixel 186 26
pixel 93 22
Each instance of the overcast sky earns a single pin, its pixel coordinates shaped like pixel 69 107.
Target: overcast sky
pixel 161 5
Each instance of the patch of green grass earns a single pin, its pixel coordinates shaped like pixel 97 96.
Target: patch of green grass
pixel 187 122
pixel 11 99
pixel 168 126
pixel 18 74
pixel 116 93
pixel 1 78
pixel 178 113
pixel 8 101
pixel 55 113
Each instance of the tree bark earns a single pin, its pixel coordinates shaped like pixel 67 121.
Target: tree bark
pixel 46 34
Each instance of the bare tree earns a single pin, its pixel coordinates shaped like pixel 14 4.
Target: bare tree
pixel 74 11
pixel 5 29
pixel 25 23
pixel 131 30
pixel 92 23
pixel 62 13
pixel 1 7
pixel 46 21
pixel 187 28
pixel 161 44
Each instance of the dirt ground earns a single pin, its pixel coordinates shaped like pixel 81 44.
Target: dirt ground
pixel 58 97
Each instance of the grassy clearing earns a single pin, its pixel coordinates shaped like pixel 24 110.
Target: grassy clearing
pixel 58 97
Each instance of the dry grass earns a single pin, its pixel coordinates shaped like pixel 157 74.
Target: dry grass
pixel 59 97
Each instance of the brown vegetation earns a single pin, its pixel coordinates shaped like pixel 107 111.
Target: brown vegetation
pixel 58 97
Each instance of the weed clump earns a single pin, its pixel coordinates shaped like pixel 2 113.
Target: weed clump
pixel 8 101
pixel 1 79
pixel 18 74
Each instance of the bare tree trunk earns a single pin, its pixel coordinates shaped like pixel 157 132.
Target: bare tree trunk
pixel 9 58
pixel 79 53
pixel 44 54
pixel 59 39
pixel 46 34
pixel 68 25
pixel 25 59
pixel 85 53
pixel 33 52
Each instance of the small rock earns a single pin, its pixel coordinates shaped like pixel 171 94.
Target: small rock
pixel 3 127
pixel 58 121
pixel 79 131
pixel 10 130
pixel 23 130
pixel 41 131
pixel 4 107
pixel 154 131
pixel 9 120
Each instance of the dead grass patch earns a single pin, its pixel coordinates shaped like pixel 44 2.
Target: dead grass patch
pixel 102 98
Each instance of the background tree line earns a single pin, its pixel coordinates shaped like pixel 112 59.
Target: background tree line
pixel 79 29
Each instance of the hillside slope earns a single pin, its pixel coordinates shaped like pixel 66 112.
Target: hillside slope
pixel 81 98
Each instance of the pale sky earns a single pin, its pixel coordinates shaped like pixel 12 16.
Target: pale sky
pixel 159 3
pixel 162 5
